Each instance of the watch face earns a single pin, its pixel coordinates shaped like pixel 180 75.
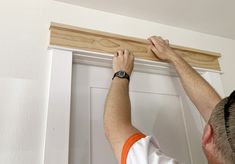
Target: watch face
pixel 121 74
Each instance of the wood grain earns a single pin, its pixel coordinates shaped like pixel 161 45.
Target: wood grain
pixel 91 40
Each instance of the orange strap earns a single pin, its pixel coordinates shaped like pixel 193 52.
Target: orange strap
pixel 128 144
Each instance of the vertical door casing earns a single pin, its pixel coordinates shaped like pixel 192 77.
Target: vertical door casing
pixel 58 116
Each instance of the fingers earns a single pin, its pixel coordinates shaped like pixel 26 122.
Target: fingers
pixel 154 49
pixel 157 40
pixel 120 52
pixel 167 42
pixel 115 54
pixel 123 60
pixel 128 54
pixel 124 53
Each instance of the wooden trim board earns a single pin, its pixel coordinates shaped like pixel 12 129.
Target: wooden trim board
pixel 91 40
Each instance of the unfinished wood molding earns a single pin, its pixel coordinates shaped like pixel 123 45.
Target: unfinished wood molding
pixel 91 40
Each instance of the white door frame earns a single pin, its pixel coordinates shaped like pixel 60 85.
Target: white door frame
pixel 58 118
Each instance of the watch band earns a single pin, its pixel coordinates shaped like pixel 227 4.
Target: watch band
pixel 121 74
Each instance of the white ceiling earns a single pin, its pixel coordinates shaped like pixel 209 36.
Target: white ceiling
pixel 216 17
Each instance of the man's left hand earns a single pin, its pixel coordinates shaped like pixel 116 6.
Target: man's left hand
pixel 124 61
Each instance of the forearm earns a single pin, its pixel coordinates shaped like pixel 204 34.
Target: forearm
pixel 198 89
pixel 117 107
pixel 117 115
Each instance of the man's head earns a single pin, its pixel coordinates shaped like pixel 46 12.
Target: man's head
pixel 218 140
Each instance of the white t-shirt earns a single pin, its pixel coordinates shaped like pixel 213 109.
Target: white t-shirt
pixel 141 149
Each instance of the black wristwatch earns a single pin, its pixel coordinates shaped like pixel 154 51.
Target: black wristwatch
pixel 121 74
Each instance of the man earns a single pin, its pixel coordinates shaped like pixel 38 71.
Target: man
pixel 130 146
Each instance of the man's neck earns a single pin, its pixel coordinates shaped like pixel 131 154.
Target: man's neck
pixel 213 160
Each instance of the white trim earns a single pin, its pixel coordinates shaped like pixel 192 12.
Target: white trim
pixel 58 117
pixel 215 81
pixel 104 59
pixel 186 129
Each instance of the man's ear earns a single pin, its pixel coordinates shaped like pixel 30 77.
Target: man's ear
pixel 207 137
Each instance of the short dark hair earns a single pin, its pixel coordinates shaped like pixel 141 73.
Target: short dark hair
pixel 222 121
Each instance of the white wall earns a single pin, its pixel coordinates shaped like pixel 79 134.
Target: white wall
pixel 24 65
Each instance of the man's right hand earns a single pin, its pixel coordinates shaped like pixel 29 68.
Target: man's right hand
pixel 162 49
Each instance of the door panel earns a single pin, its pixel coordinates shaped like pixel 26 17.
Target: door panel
pixel 159 108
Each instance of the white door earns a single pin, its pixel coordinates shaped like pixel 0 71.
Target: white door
pixel 159 108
